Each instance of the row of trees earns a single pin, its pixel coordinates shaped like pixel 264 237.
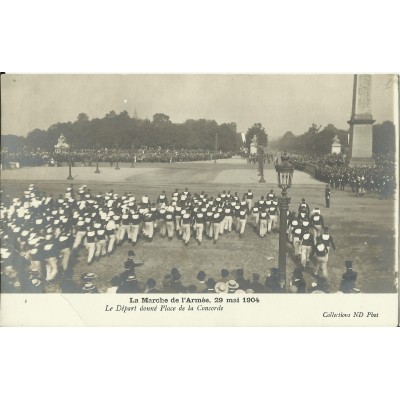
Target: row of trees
pixel 122 130
pixel 318 140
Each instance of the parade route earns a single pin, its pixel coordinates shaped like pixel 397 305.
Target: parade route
pixel 349 219
pixel 237 171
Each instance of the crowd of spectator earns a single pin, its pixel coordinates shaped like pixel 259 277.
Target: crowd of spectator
pixel 379 178
pixel 88 156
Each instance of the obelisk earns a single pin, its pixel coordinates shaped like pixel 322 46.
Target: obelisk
pixel 361 122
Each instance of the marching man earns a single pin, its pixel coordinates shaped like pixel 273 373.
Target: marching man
pixel 263 223
pixel 199 223
pixel 321 255
pixel 186 227
pixel 248 197
pixel 307 242
pixel 327 240
pixel 317 223
pixel 169 222
pixel 241 225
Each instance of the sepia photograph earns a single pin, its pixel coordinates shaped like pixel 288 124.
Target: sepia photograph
pixel 237 186
pixel 173 171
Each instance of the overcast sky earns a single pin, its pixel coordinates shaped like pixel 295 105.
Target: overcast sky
pixel 280 102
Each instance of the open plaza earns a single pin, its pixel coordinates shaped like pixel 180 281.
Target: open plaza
pixel 363 228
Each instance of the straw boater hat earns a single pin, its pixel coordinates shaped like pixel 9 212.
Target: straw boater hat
pixel 221 287
pixel 88 287
pixel 89 276
pixel 232 285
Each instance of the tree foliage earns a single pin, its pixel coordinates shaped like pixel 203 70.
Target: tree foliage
pixel 13 143
pixel 122 130
pixel 383 139
pixel 315 140
pixel 319 141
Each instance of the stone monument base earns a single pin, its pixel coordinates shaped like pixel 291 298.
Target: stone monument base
pixel 361 137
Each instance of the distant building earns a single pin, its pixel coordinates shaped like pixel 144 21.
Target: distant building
pixel 336 146
pixel 62 146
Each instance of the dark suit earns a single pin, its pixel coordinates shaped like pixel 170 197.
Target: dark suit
pixel 348 282
pixel 257 287
pixel 176 287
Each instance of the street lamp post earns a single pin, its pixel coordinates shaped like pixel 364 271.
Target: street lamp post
pixel 284 172
pixel 70 177
pixel 261 164
pixel 216 147
pixel 97 162
pixel 132 157
pixel 117 166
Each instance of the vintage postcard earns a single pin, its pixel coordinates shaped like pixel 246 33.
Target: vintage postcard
pixel 199 200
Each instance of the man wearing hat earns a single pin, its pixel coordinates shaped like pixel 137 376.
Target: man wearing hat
pixel 151 286
pixel 327 196
pixel 263 218
pixel 221 287
pixel 317 223
pixel 248 197
pixel 136 219
pixel 298 283
pixel 65 242
pixel 185 222
pixel 224 275
pixel 240 279
pixel 255 285
pixel 130 264
pixel 9 277
pixel 232 286
pixel 89 288
pixel 161 222
pixel 216 225
pixel 348 282
pixel 273 218
pixel 199 220
pixel 307 242
pixel 175 284
pixel 101 243
pixel 210 286
pixel 50 254
pixel 304 207
pixel 201 276
pixel 149 219
pixel 110 232
pixel 272 282
pixel 241 222
pixel 327 240
pixel 170 221
pixel 91 244
pixel 321 256
pixel 34 285
pixel 130 285
pixel 88 277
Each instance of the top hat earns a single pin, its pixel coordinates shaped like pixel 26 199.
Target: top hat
pixel 256 276
pixel 348 264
